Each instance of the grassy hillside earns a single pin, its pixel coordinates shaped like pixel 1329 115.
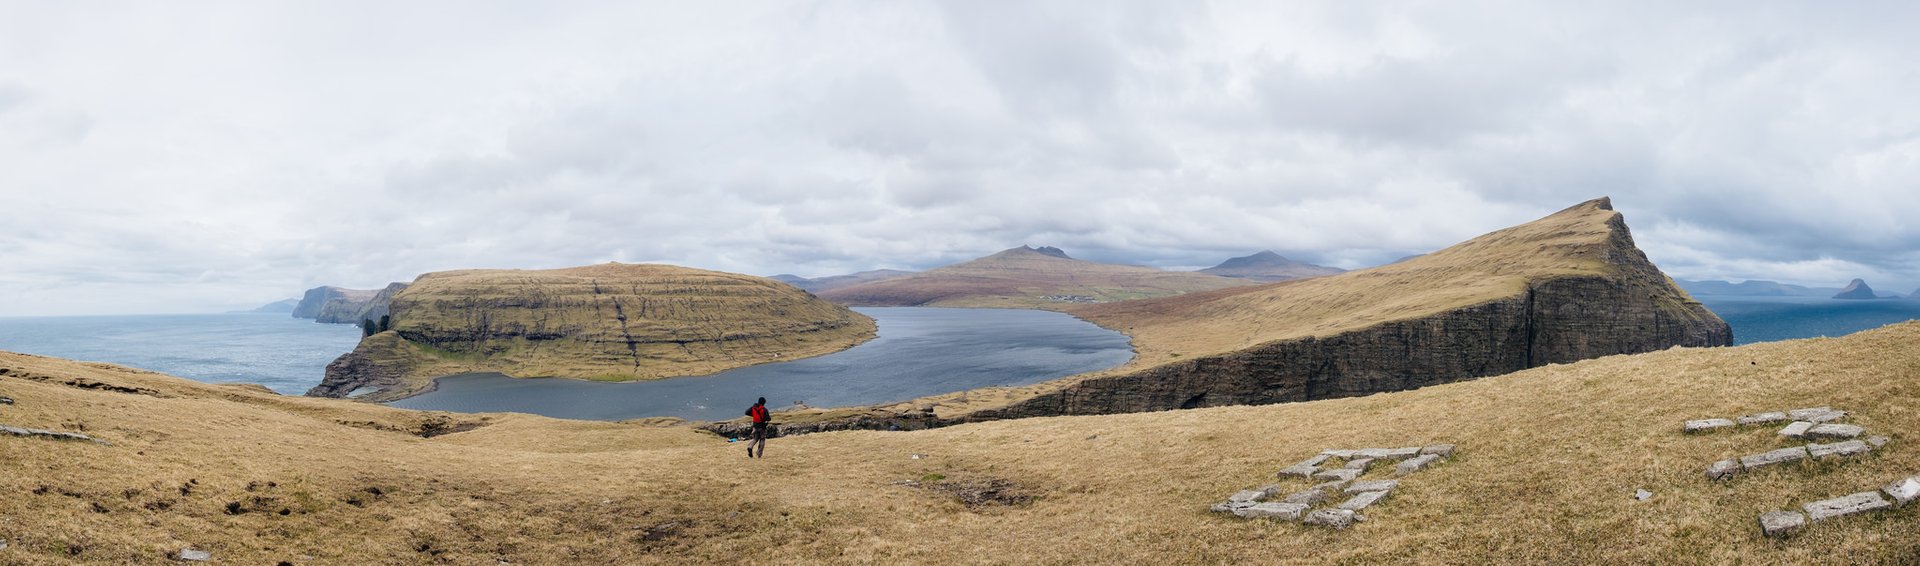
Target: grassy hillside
pixel 1549 460
pixel 1026 277
pixel 609 322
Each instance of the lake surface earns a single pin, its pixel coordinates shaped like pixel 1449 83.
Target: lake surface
pixel 919 352
pixel 1766 319
pixel 286 354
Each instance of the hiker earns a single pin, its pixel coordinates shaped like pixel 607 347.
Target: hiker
pixel 760 417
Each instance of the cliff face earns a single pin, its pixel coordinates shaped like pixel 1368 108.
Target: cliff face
pixel 1569 287
pixel 608 322
pixel 339 305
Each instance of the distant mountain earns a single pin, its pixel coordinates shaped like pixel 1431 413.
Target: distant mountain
pixel 1269 266
pixel 818 284
pixel 278 307
pixel 1753 288
pixel 1027 277
pixel 1914 295
pixel 1856 290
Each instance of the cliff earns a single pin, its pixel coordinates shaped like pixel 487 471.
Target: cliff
pixel 278 307
pixel 1027 277
pixel 1267 266
pixel 607 322
pixel 1567 287
pixel 1856 290
pixel 339 305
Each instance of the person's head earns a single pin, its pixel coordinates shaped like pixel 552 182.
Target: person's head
pixel 762 401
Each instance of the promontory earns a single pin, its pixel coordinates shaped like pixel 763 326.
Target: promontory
pixel 612 322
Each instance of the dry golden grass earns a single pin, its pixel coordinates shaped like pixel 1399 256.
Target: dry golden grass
pixel 1549 459
pixel 1024 278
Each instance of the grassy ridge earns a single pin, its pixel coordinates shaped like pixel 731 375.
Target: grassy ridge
pixel 1549 459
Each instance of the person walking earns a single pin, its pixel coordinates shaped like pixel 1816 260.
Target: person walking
pixel 760 419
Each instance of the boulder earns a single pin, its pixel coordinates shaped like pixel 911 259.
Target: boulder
pixel 1342 474
pixel 1441 450
pixel 1416 464
pixel 1838 449
pixel 1704 425
pixel 1763 418
pixel 1835 430
pixel 1723 470
pixel 1780 524
pixel 1335 518
pixel 1781 456
pixel 1845 505
pixel 1284 511
pixel 1796 429
pixel 1372 485
pixel 1903 491
pixel 1363 500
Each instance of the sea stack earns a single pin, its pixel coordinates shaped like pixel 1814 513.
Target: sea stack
pixel 611 322
pixel 1856 290
pixel 1564 288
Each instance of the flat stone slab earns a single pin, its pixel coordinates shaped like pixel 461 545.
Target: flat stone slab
pixel 192 555
pixel 1335 518
pixel 1780 524
pixel 1300 470
pixel 1796 429
pixel 1402 453
pixel 1372 485
pixel 48 434
pixel 1229 506
pixel 1332 486
pixel 1838 449
pixel 1817 414
pixel 1315 461
pixel 1723 470
pixel 1845 505
pixel 1358 463
pixel 1342 474
pixel 1306 497
pixel 1441 450
pixel 1764 418
pixel 1878 441
pixel 1704 425
pixel 1418 463
pixel 1363 500
pixel 1283 511
pixel 1903 491
pixel 1247 496
pixel 1835 430
pixel 1781 456
pixel 1338 453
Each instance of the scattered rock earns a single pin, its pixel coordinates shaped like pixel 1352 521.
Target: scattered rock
pixel 1903 491
pixel 1877 441
pixel 1416 464
pixel 1704 425
pixel 1341 474
pixel 1372 485
pixel 1817 414
pixel 1763 418
pixel 1363 500
pixel 1359 463
pixel 1723 470
pixel 1780 524
pixel 1835 430
pixel 918 456
pixel 1301 470
pixel 191 555
pixel 1441 450
pixel 1247 496
pixel 1335 518
pixel 1642 495
pixel 6 400
pixel 1796 429
pixel 3 545
pixel 1284 511
pixel 1845 505
pixel 1838 449
pixel 51 434
pixel 1780 456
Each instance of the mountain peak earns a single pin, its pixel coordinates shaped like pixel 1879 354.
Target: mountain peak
pixel 1857 289
pixel 1268 266
pixel 1049 251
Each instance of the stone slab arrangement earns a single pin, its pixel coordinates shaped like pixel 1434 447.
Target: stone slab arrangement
pixel 1813 425
pixel 1340 490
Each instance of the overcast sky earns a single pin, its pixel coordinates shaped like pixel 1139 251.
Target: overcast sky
pixel 183 157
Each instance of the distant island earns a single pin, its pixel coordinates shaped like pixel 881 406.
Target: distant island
pixel 1267 266
pixel 1026 277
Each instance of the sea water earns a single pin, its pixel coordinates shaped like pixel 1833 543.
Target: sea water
pixel 1767 319
pixel 286 354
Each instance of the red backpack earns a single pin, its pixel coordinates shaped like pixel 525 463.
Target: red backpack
pixel 758 412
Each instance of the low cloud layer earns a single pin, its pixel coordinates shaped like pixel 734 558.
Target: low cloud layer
pixel 185 157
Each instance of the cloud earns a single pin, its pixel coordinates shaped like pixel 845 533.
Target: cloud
pixel 282 147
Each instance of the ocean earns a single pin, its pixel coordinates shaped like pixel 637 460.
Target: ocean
pixel 290 355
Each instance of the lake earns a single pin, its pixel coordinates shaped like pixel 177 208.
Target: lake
pixel 919 352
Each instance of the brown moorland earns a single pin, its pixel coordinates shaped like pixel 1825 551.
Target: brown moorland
pixel 1026 277
pixel 610 322
pixel 1549 460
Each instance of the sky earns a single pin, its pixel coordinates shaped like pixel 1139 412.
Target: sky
pixel 206 156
